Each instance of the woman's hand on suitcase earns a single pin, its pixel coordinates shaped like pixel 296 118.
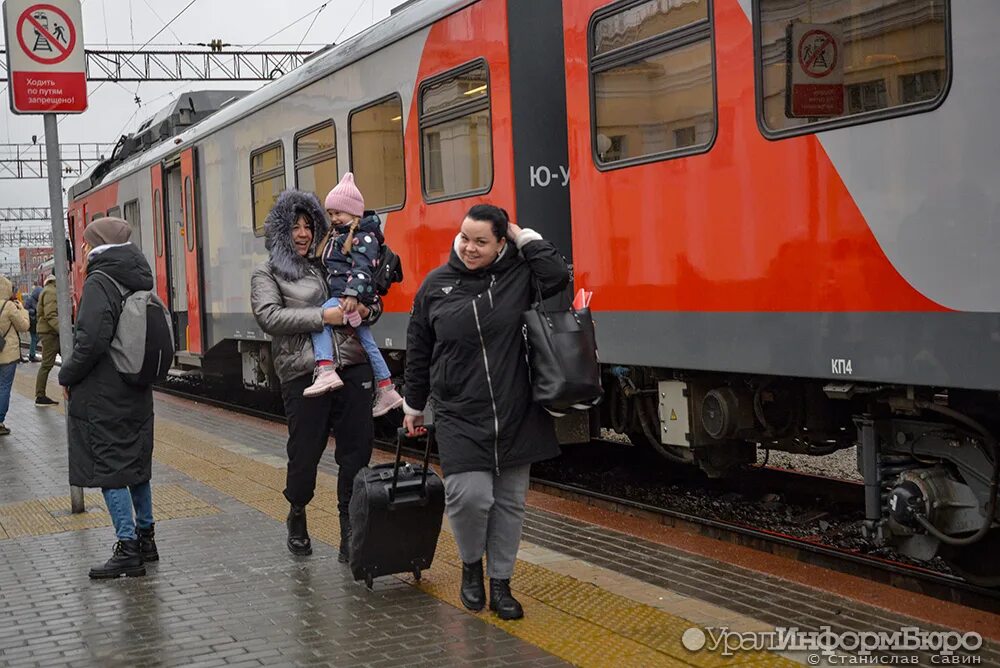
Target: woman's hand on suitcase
pixel 414 425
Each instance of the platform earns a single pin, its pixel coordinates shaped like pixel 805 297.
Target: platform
pixel 598 589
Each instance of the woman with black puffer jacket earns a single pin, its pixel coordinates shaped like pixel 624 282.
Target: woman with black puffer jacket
pixel 465 354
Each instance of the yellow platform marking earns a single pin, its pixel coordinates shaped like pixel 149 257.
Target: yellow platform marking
pixel 574 620
pixel 40 517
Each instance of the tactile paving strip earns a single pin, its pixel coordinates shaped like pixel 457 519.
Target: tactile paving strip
pixel 41 517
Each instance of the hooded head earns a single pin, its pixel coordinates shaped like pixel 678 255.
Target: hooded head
pixel 6 289
pixel 346 198
pixel 107 231
pixel 285 260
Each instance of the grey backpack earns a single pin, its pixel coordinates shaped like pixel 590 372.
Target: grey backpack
pixel 142 349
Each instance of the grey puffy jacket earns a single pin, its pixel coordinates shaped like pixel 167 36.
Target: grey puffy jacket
pixel 289 311
pixel 287 292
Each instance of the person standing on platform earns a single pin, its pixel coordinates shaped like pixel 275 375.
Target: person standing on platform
pixel 13 321
pixel 465 353
pixel 48 335
pixel 110 420
pixel 31 303
pixel 286 293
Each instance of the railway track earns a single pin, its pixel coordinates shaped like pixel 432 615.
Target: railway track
pixel 905 576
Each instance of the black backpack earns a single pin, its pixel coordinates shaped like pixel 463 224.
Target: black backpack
pixel 388 271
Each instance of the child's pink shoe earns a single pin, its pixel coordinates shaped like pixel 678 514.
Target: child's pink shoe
pixel 353 319
pixel 386 398
pixel 327 380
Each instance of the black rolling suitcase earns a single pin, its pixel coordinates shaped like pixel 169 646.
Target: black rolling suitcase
pixel 396 513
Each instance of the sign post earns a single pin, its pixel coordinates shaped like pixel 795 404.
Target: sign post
pixel 46 67
pixel 816 70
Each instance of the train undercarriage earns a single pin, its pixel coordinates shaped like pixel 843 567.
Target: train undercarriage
pixel 929 458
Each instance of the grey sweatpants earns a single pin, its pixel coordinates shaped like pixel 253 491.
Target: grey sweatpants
pixel 486 512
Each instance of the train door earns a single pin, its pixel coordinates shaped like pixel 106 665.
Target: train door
pixel 192 244
pixel 176 266
pixel 159 247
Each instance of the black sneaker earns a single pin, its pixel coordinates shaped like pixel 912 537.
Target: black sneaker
pixel 45 401
pixel 4 431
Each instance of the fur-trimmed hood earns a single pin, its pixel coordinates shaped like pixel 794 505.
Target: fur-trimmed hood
pixel 291 204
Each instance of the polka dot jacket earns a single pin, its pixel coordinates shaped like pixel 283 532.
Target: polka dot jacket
pixel 350 275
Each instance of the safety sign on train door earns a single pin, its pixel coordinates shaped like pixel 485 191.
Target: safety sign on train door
pixel 46 61
pixel 816 71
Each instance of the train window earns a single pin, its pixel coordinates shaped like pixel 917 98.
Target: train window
pixel 316 159
pixel 267 180
pixel 652 81
pixel 848 62
pixel 376 149
pixel 158 223
pixel 95 216
pixel 189 231
pixel 456 145
pixel 132 218
pixel 115 212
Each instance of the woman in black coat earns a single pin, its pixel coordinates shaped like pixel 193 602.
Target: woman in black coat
pixel 465 353
pixel 111 421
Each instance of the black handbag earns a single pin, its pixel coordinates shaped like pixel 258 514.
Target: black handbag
pixel 562 358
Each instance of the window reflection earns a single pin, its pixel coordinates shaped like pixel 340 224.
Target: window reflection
pixel 377 153
pixel 889 54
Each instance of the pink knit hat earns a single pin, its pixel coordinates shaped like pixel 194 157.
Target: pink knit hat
pixel 346 197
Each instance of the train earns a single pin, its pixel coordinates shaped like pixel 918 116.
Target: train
pixel 785 210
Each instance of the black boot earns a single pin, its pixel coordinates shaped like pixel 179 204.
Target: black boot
pixel 125 560
pixel 298 536
pixel 344 555
pixel 473 592
pixel 147 543
pixel 503 602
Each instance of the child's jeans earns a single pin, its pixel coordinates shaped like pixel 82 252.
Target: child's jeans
pixel 323 345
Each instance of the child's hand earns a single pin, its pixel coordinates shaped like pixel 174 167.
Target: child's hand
pixel 349 304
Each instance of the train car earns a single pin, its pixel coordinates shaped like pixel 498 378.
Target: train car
pixel 786 213
pixel 782 208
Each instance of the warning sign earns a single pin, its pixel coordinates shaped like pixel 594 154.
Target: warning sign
pixel 816 71
pixel 46 61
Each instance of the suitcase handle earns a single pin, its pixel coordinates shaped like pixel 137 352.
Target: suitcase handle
pixel 401 435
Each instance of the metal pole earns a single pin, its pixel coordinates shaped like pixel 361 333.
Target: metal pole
pixel 61 268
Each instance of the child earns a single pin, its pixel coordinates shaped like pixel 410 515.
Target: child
pixel 350 253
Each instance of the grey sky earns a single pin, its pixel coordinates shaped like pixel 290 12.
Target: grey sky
pixel 112 109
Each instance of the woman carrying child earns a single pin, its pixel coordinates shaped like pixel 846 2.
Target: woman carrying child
pixel 286 292
pixel 350 252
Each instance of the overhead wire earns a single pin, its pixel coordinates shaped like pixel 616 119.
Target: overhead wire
pixel 160 19
pixel 311 24
pixel 351 20
pixel 293 23
pixel 148 41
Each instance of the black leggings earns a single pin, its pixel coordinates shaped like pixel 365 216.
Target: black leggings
pixel 348 413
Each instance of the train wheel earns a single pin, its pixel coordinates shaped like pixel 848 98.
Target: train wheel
pixel 725 458
pixel 669 453
pixel 977 563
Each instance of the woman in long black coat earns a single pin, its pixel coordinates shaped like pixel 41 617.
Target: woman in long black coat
pixel 111 421
pixel 465 354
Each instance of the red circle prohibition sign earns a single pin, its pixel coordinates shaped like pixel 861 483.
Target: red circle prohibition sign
pixel 42 32
pixel 824 39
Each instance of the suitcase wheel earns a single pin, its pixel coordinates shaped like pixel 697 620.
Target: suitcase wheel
pixel 416 574
pixel 369 581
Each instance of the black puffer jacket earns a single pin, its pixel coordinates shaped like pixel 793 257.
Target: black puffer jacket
pixel 110 421
pixel 465 353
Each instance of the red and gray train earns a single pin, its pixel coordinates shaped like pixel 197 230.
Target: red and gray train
pixel 787 211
